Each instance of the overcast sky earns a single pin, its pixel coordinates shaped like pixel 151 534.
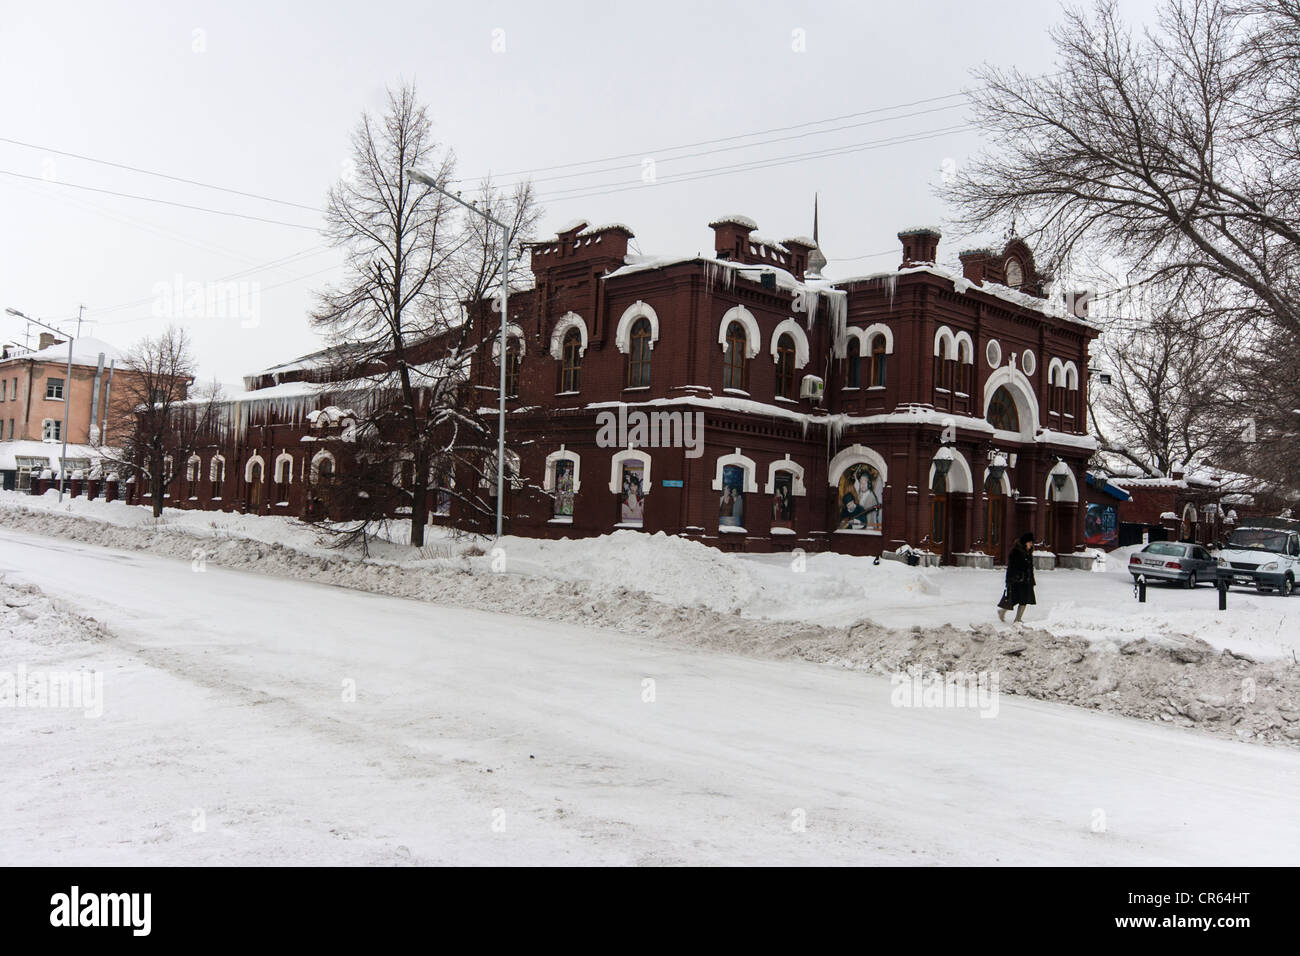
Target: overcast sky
pixel 261 98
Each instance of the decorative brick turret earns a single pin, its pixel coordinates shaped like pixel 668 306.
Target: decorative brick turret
pixel 978 265
pixel 920 246
pixel 731 237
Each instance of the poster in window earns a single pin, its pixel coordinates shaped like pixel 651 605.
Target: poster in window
pixel 783 500
pixel 860 492
pixel 731 504
pixel 564 488
pixel 632 497
pixel 1101 527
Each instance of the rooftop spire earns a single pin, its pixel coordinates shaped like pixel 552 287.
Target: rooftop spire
pixel 816 261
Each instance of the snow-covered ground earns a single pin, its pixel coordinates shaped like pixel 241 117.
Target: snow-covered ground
pixel 827 589
pixel 251 718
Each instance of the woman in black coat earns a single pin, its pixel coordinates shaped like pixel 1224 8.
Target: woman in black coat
pixel 1020 578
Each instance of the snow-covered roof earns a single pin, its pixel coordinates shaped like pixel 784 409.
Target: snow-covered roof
pixel 734 219
pixel 593 230
pixel 50 452
pixel 1049 307
pixel 85 351
pixel 770 243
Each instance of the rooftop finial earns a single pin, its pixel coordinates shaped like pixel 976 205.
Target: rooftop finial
pixel 816 260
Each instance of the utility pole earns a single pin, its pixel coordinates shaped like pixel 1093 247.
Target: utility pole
pixel 80 310
pixel 504 357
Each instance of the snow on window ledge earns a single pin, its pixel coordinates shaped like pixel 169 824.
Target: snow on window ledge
pixel 561 394
pixel 735 391
pixel 788 401
pixel 637 388
pixel 732 529
pixel 875 388
pixel 849 388
pixel 857 531
pixel 629 524
pixel 784 531
pixel 563 519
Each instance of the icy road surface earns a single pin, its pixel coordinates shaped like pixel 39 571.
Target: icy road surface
pixel 477 738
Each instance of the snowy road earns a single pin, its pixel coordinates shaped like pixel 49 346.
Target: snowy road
pixel 487 738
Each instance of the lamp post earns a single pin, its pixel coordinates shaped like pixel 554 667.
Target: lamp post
pixel 67 396
pixel 504 355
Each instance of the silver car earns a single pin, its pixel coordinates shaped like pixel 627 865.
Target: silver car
pixel 1188 564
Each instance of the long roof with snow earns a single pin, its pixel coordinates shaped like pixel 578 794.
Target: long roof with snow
pixel 85 351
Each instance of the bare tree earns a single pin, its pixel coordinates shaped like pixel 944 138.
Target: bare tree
pixel 415 261
pixel 168 425
pixel 1175 150
pixel 1173 392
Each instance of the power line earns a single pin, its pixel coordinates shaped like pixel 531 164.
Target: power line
pixel 577 193
pixel 163 202
pixel 724 149
pixel 727 139
pixel 150 172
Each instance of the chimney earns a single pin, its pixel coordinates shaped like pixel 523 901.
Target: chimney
pixel 731 237
pixel 975 264
pixel 800 247
pixel 920 246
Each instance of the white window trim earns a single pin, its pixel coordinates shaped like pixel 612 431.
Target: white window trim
pixel 864 337
pixel 959 469
pixel 1071 372
pixel 958 339
pixel 1055 372
pixel 1028 362
pixel 283 458
pixel 995 347
pixel 248 468
pixel 616 471
pixel 737 458
pixel 1022 391
pixel 794 468
pixel 563 454
pixel 512 332
pixel 1070 494
pixel 316 460
pixel 193 468
pixel 945 346
pixel 217 468
pixel 1005 482
pixel 753 336
pixel 570 320
pixel 856 455
pixel 623 333
pixel 801 351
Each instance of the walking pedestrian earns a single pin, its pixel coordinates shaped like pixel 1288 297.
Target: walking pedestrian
pixel 1019 591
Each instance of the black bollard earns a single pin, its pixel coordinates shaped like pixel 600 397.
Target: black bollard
pixel 1223 594
pixel 1142 588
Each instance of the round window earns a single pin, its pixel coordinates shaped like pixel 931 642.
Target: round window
pixel 993 352
pixel 1028 364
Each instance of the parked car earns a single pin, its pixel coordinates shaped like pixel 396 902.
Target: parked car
pixel 1267 558
pixel 1188 564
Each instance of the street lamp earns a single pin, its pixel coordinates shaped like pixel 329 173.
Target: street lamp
pixel 67 395
pixel 429 181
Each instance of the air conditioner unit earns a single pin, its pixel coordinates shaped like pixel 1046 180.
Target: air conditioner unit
pixel 813 388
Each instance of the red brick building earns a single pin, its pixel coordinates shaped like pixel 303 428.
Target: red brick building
pixel 741 399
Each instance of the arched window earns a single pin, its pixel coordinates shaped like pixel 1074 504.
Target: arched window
pixel 785 367
pixel 255 483
pixel 216 475
pixel 283 477
pixel 879 358
pixel 733 367
pixel 1002 411
pixel 514 358
pixel 193 469
pixel 854 377
pixel 638 356
pixel 571 369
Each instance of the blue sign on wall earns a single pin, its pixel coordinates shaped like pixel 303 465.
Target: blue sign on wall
pixel 672 483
